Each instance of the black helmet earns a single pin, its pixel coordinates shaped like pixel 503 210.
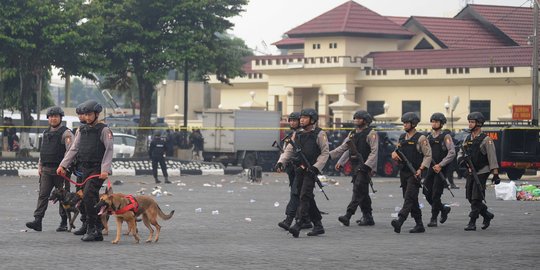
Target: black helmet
pixel 90 106
pixel 294 116
pixel 361 114
pixel 410 117
pixel 312 113
pixel 55 111
pixel 438 117
pixel 78 110
pixel 477 116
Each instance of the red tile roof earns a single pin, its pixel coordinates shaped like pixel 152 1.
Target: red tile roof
pixel 457 33
pixel 482 57
pixel 398 20
pixel 350 18
pixel 289 41
pixel 515 22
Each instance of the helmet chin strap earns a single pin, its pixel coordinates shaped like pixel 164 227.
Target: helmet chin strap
pixel 95 119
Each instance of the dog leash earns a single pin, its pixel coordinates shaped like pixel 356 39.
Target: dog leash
pixel 83 182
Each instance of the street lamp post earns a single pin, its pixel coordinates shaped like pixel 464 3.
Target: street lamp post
pixel 535 66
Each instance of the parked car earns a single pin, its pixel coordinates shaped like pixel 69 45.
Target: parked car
pixel 124 145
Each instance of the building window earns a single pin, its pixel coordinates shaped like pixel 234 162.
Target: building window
pixel 511 69
pixel 375 107
pixel 332 45
pixel 483 106
pixel 316 46
pixel 406 71
pixel 411 106
pixel 424 71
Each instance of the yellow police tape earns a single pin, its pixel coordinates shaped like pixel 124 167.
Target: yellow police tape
pixel 190 128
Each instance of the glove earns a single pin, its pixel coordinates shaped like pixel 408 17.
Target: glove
pixel 496 179
pixel 279 166
pixel 314 170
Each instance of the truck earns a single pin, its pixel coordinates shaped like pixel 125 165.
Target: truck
pixel 518 149
pixel 241 137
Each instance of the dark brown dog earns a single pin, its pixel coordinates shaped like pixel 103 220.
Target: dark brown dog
pixel 69 202
pixel 146 207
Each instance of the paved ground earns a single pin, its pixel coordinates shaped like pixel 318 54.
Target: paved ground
pixel 227 240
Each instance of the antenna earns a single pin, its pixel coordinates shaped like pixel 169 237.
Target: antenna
pixel 108 97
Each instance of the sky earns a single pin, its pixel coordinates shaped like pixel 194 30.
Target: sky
pixel 265 21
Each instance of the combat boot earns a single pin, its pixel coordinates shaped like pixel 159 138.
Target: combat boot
pixel 82 229
pixel 295 229
pixel 433 222
pixel 472 225
pixel 307 224
pixel 397 223
pixel 487 219
pixel 157 180
pixel 91 234
pixel 286 223
pixel 366 220
pixel 317 229
pixel 35 225
pixel 167 180
pixel 444 213
pixel 63 225
pixel 419 227
pixel 345 220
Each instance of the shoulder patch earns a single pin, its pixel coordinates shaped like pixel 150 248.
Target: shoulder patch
pixel 68 139
pixel 490 141
pixel 110 136
pixel 324 136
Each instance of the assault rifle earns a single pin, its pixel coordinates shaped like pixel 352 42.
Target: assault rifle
pixel 305 162
pixel 473 172
pixel 407 163
pixel 355 155
pixel 441 176
pixel 278 145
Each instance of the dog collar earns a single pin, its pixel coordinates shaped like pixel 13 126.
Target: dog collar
pixel 132 206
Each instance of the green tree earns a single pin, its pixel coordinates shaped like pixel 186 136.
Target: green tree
pixel 150 37
pixel 32 38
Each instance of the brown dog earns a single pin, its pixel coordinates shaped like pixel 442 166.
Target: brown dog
pixel 128 208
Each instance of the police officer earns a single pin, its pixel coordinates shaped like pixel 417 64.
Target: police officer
pixel 443 153
pixel 366 143
pixel 314 145
pixel 76 169
pixel 93 148
pixel 157 155
pixel 480 148
pixel 290 167
pixel 416 149
pixel 56 140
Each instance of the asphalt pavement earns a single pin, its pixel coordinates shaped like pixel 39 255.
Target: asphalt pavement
pixel 225 222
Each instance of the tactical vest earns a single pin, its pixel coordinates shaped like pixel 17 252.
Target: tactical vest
pixel 438 147
pixel 362 147
pixel 472 148
pixel 307 141
pixel 91 148
pixel 52 148
pixel 409 149
pixel 159 148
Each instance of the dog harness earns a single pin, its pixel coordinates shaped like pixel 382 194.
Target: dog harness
pixel 132 206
